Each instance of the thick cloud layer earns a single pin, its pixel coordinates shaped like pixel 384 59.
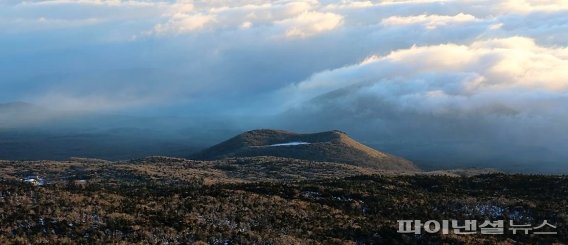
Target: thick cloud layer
pixel 469 83
pixel 504 95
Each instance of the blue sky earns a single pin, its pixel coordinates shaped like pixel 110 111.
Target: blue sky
pixel 472 72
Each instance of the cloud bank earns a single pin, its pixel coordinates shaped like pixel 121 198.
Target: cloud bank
pixel 469 83
pixel 503 95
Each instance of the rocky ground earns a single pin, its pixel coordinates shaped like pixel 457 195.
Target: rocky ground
pixel 264 200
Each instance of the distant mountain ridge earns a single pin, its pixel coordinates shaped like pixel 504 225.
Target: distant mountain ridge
pixel 330 146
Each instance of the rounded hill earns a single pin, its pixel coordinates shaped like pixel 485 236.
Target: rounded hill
pixel 330 146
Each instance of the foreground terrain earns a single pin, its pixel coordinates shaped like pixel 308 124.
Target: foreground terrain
pixel 262 200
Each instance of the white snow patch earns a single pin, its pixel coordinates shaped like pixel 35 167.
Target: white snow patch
pixel 291 143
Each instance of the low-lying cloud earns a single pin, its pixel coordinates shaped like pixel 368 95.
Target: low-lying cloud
pixel 502 95
pixel 452 82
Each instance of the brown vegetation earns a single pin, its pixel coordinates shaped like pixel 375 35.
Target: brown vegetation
pixel 261 200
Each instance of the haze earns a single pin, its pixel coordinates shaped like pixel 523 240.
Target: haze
pixel 447 84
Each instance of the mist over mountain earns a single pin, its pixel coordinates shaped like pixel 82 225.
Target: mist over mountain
pixel 442 83
pixel 31 132
pixel 19 114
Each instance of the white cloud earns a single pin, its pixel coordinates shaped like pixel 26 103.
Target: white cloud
pixel 310 23
pixel 132 3
pixel 494 101
pixel 294 15
pixel 183 23
pixel 462 74
pixel 32 16
pixel 430 21
pixel 182 7
pixel 525 6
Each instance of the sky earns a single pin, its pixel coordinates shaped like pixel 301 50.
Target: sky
pixel 471 82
